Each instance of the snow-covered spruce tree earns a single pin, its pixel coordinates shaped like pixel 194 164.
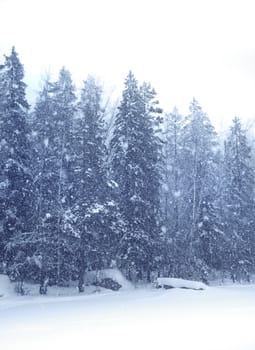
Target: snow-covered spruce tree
pixel 171 178
pixel 15 161
pixel 171 197
pixel 46 181
pixel 95 211
pixel 200 166
pixel 238 204
pixel 52 130
pixel 135 159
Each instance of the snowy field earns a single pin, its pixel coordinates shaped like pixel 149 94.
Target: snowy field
pixel 218 318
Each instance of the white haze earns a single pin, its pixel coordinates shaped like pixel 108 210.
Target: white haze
pixel 185 48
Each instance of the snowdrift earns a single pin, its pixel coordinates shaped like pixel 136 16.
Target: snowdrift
pixel 167 283
pixel 92 277
pixel 6 288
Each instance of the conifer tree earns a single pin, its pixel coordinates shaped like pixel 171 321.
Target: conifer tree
pixel 238 210
pixel 94 208
pixel 135 159
pixel 15 162
pixel 52 127
pixel 200 162
pixel 171 198
pixel 46 180
pixel 172 159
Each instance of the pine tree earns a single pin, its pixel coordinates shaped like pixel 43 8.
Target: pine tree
pixel 238 203
pixel 172 192
pixel 15 161
pixel 201 221
pixel 52 128
pixel 64 100
pixel 135 158
pixel 172 154
pixel 46 180
pixel 94 209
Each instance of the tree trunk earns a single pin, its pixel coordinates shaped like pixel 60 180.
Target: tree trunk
pixel 82 269
pixel 43 284
pixel 148 275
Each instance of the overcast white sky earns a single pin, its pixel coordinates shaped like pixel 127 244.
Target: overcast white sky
pixel 185 48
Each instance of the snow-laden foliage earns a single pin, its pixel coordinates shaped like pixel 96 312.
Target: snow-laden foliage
pixel 16 196
pixel 238 201
pixel 96 211
pixel 135 163
pixel 53 234
pixel 146 197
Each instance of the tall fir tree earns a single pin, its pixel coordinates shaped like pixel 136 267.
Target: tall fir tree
pixel 172 194
pixel 15 164
pixel 46 180
pixel 52 129
pixel 135 159
pixel 200 164
pixel 238 210
pixel 94 208
pixel 171 180
pixel 64 101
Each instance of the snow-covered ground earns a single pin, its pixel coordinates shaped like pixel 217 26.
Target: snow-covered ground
pixel 165 282
pixel 218 318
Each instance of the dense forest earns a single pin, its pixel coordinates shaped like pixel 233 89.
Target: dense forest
pixel 149 192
